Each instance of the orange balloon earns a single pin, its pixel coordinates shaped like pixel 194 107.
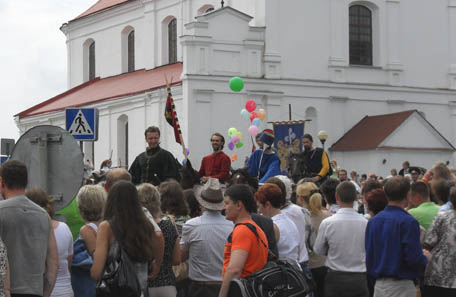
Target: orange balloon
pixel 233 158
pixel 261 114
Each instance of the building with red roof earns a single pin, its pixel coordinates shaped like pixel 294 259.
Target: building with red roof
pixel 309 54
pixel 376 142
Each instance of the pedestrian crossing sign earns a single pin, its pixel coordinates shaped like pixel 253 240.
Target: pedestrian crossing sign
pixel 82 123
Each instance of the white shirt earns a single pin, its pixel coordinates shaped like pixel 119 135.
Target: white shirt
pixel 204 238
pixel 341 239
pixel 301 218
pixel 64 240
pixel 288 244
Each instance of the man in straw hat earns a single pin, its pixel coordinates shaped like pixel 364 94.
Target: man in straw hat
pixel 203 241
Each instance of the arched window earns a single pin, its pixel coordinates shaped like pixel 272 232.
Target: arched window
pixel 128 49
pixel 205 9
pixel 172 41
pixel 311 126
pixel 131 51
pixel 122 141
pixel 360 35
pixel 92 60
pixel 88 56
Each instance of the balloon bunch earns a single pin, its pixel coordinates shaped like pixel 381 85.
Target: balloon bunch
pixel 236 137
pixel 235 142
pixel 248 113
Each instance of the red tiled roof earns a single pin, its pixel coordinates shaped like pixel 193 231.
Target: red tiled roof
pixel 113 87
pixel 99 6
pixel 370 131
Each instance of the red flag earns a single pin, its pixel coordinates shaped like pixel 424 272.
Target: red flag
pixel 171 116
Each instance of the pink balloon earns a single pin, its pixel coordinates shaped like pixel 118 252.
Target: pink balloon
pixel 250 105
pixel 253 130
pixel 235 139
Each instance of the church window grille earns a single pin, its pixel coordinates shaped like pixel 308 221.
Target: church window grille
pixel 360 35
pixel 172 41
pixel 92 60
pixel 131 51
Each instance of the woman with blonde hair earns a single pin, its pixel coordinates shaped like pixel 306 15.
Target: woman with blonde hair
pixel 309 197
pixel 91 200
pixel 164 284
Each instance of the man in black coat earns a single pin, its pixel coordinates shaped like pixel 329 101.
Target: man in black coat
pixel 155 165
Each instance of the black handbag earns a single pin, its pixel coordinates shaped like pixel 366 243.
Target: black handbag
pixel 277 278
pixel 119 277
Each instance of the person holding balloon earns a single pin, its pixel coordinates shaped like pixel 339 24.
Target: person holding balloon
pixel 217 164
pixel 264 164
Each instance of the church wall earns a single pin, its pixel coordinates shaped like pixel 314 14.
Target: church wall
pixel 149 19
pixel 140 111
pixel 106 31
pixel 308 40
pixel 313 42
pixel 212 107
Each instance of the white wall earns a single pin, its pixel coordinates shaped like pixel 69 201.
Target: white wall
pixel 148 18
pixel 372 161
pixel 411 41
pixel 301 58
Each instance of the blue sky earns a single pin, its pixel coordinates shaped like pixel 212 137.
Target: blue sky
pixel 33 54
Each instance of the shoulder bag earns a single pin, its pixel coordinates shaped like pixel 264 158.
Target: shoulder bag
pixel 277 278
pixel 119 277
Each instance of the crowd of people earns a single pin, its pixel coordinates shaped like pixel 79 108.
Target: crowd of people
pixel 348 235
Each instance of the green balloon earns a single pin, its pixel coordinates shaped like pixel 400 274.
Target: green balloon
pixel 236 84
pixel 239 144
pixel 232 131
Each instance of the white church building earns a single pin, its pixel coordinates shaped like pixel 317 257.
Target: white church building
pixel 334 61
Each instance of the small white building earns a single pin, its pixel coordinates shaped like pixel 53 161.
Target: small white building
pixel 376 144
pixel 334 61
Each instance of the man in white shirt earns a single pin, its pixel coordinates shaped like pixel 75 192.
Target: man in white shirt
pixel 203 241
pixel 341 239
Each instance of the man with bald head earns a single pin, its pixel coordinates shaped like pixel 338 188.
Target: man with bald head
pixel 119 174
pixel 116 175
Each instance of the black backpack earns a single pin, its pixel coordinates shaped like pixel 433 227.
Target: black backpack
pixel 277 278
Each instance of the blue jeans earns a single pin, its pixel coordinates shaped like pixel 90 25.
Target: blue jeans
pixel 308 276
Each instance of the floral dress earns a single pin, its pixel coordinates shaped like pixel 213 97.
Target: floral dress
pixel 441 240
pixel 166 275
pixel 3 268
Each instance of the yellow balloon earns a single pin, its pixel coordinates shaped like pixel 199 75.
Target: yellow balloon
pixel 239 133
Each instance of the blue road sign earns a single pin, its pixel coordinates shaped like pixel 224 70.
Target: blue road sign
pixel 82 123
